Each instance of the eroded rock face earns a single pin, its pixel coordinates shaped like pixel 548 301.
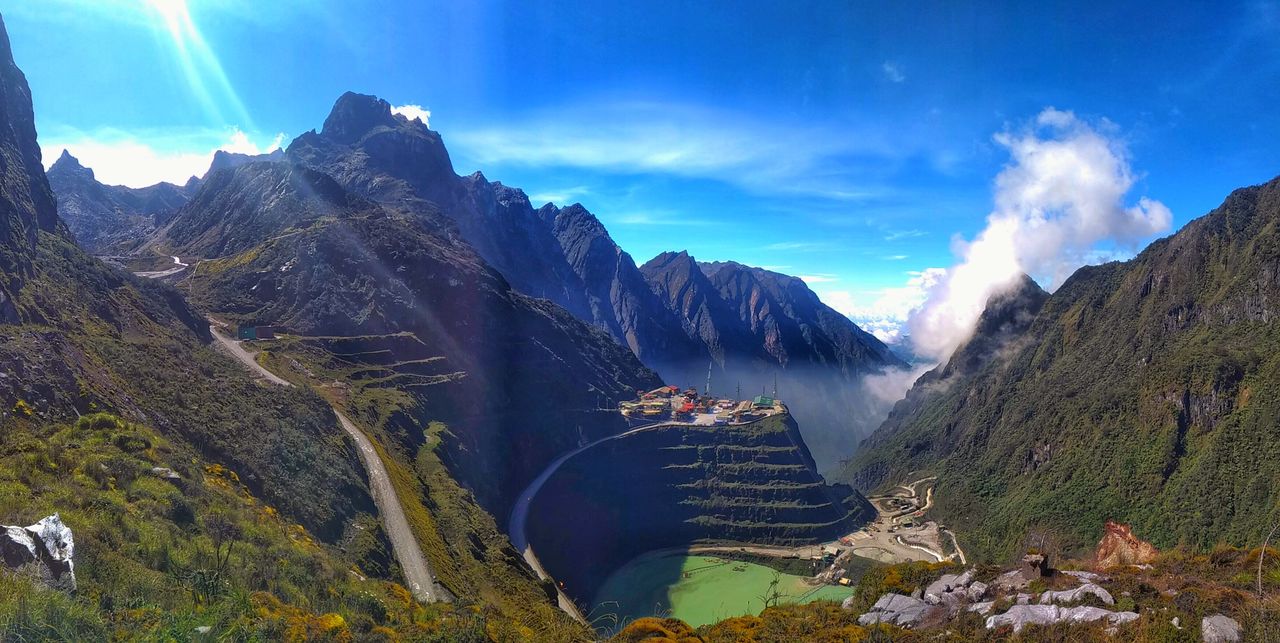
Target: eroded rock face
pixel 1120 547
pixel 43 550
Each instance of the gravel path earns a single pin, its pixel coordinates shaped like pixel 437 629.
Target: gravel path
pixel 417 571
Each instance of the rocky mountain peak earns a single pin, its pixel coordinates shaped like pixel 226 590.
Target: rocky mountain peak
pixel 223 160
pixel 68 163
pixel 355 115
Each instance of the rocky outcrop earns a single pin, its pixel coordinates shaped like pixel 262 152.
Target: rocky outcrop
pixel 1076 595
pixel 1120 547
pixel 903 611
pixel 954 594
pixel 1220 628
pixel 1020 616
pixel 42 551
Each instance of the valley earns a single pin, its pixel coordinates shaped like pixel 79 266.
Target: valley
pixel 275 368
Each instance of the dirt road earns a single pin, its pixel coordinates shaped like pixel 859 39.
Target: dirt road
pixel 417 571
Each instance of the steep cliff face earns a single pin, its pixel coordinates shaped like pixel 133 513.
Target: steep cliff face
pixel 77 335
pixel 677 485
pixel 105 218
pixel 765 330
pixel 26 202
pixel 619 296
pixel 525 377
pixel 390 159
pixel 1139 390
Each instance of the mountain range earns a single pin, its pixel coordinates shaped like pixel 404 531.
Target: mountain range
pixel 762 327
pixel 1143 391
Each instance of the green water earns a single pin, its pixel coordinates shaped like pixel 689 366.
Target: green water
pixel 714 588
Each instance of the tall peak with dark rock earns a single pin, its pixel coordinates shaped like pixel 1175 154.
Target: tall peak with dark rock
pixel 68 163
pixel 355 115
pixel 26 201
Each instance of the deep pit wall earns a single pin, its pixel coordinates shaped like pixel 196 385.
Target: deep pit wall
pixel 677 485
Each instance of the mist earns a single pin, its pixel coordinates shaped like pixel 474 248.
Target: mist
pixel 1062 194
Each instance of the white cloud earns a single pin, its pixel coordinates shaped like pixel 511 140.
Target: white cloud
pixel 893 72
pixel 414 111
pixel 656 218
pixel 797 245
pixel 889 308
pixel 818 279
pixel 904 234
pixel 563 196
pixel 141 159
pixel 1062 194
pixel 745 150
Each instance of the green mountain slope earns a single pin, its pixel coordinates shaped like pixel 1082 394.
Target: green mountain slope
pixel 1146 391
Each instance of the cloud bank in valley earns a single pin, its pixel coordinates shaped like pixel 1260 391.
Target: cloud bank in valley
pixel 1062 193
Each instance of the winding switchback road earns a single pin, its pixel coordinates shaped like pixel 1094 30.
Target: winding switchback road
pixel 417 571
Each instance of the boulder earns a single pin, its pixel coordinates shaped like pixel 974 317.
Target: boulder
pixel 165 473
pixel 42 551
pixel 1220 628
pixel 896 609
pixel 1076 595
pixel 977 590
pixel 1034 566
pixel 1019 616
pixel 1120 547
pixel 948 584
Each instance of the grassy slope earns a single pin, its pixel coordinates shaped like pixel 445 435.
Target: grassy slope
pixel 1144 392
pixel 470 556
pixel 156 558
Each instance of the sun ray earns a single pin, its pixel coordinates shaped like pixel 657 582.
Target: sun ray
pixel 199 64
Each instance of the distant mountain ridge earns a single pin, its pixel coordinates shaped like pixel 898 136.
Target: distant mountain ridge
pixel 103 218
pixel 1144 391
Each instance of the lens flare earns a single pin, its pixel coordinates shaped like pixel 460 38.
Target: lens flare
pixel 201 68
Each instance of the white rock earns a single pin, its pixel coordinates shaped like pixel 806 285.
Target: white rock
pixel 1220 628
pixel 1086 576
pixel 896 609
pixel 44 549
pixel 1020 616
pixel 1077 594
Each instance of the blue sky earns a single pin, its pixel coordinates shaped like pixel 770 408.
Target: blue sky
pixel 850 143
